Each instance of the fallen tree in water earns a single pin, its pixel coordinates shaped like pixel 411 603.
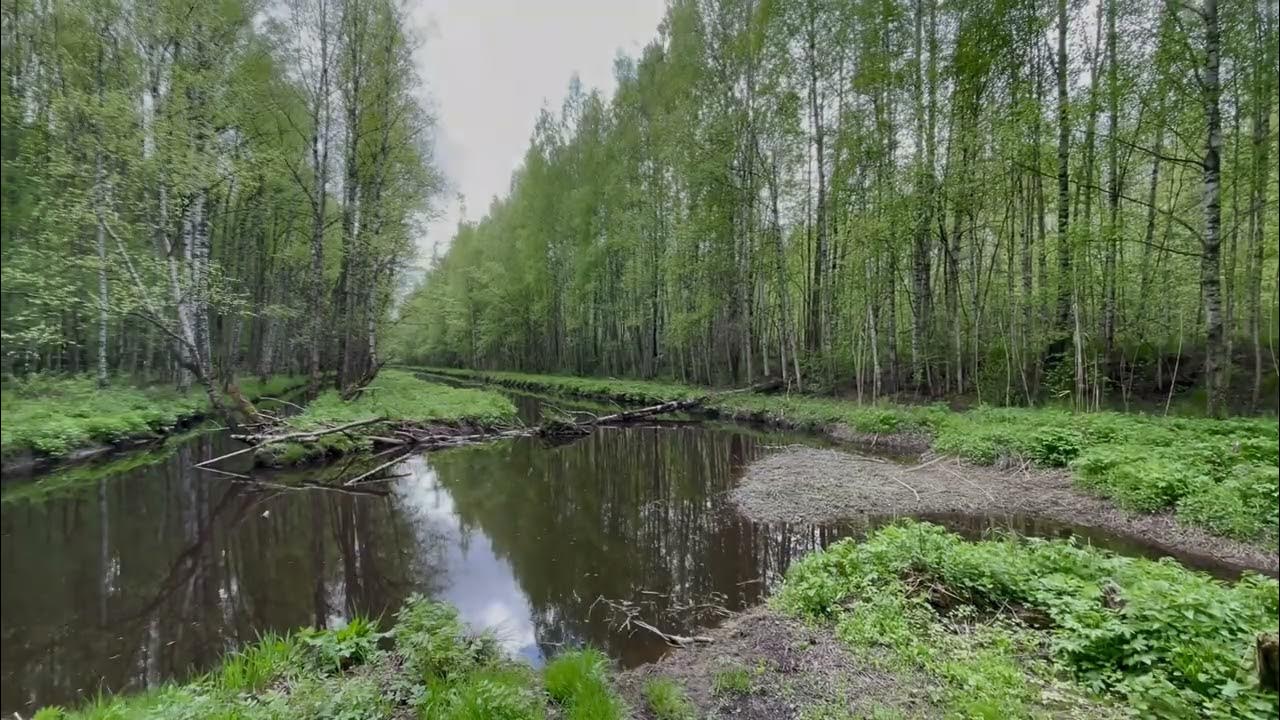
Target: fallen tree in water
pixel 402 414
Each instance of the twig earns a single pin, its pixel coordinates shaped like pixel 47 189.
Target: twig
pixel 673 640
pixel 913 490
pixel 924 465
pixel 383 466
pixel 228 473
pixel 963 479
pixel 283 402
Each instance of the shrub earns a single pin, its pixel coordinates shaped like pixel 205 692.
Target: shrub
pixel 352 644
pixel 1243 506
pixel 434 643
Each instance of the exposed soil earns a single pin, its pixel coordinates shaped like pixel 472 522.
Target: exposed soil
pixel 813 485
pixel 792 668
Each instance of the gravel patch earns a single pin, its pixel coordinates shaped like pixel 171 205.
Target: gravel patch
pixel 808 485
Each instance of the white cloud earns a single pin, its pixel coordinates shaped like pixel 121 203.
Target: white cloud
pixel 491 65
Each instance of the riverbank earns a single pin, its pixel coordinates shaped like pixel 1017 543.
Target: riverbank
pixel 395 402
pixel 50 420
pixel 912 622
pixel 427 665
pixel 916 622
pixel 1217 475
pixel 809 485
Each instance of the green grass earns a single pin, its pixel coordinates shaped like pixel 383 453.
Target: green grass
pixel 1218 474
pixel 1157 638
pixel 427 665
pixel 400 397
pixel 55 415
pixel 578 681
pixel 735 680
pixel 666 699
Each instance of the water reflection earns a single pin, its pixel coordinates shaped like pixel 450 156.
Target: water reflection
pixel 154 573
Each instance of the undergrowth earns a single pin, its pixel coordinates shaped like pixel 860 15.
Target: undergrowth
pixel 427 666
pixel 1162 640
pixel 1218 474
pixel 53 415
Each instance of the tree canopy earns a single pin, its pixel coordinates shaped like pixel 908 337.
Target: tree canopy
pixel 860 194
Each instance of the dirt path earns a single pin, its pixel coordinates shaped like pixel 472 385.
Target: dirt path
pixel 788 671
pixel 812 485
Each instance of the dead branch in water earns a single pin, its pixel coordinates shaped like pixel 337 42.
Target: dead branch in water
pixel 410 437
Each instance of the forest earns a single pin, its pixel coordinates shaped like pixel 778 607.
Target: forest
pixel 839 360
pixel 193 190
pixel 1016 201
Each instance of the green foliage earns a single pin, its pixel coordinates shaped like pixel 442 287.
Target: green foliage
pixel 1243 505
pixel 252 668
pixel 578 681
pixel 1170 642
pixel 54 415
pixel 666 699
pixel 570 672
pixel 434 642
pixel 432 667
pixel 336 650
pixel 488 695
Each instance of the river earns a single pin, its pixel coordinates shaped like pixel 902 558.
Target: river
pixel 152 573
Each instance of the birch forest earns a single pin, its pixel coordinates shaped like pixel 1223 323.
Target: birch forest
pixel 1012 200
pixel 194 189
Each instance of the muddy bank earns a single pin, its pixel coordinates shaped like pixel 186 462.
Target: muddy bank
pixel 791 671
pixel 812 485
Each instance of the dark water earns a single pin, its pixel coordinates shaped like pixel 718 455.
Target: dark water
pixel 153 573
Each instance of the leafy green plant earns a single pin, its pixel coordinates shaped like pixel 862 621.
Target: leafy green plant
pixel 352 644
pixel 434 643
pixel 1244 505
pixel 1169 641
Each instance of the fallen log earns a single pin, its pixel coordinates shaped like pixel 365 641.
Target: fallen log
pixel 302 435
pixel 408 437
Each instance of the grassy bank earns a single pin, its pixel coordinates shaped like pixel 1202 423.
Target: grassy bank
pixel 55 416
pixel 399 397
pixel 912 622
pixel 426 666
pixel 74 477
pixel 995 623
pixel 1217 474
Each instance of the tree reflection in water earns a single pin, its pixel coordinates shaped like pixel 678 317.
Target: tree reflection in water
pixel 155 573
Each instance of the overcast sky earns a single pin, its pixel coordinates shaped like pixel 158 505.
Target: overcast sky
pixel 491 65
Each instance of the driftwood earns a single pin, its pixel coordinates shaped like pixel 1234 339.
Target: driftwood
pixel 410 437
pixel 680 641
pixel 264 439
pixel 300 436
